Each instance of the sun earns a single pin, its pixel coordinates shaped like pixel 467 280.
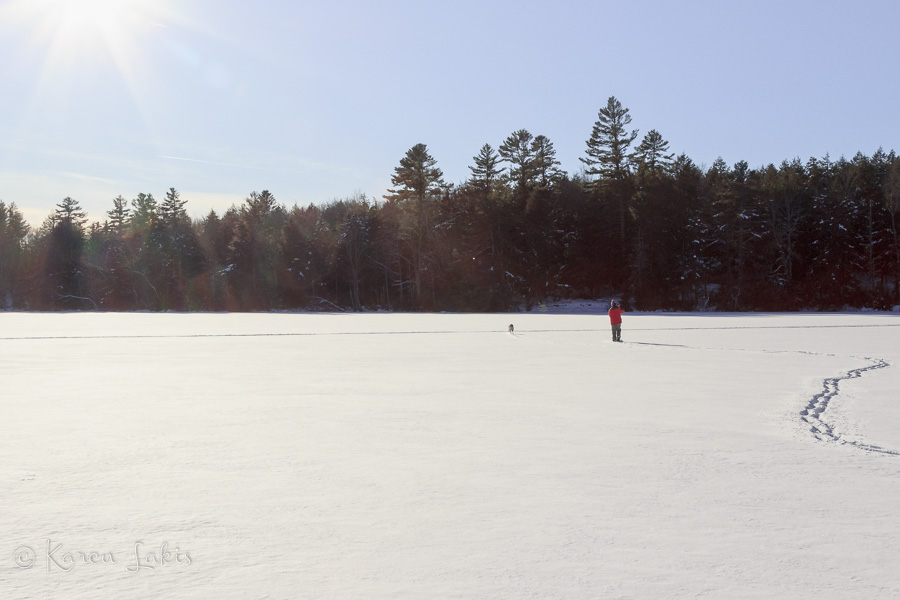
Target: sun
pixel 67 50
pixel 79 21
pixel 79 31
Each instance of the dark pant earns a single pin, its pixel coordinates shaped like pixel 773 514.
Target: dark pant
pixel 617 332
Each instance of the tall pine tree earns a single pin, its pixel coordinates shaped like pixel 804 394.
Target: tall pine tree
pixel 652 154
pixel 486 171
pixel 607 149
pixel 608 164
pixel 518 151
pixel 418 183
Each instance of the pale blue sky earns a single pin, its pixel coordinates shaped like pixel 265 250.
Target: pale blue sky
pixel 319 100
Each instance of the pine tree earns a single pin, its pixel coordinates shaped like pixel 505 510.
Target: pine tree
pixel 892 204
pixel 607 148
pixel 111 255
pixel 518 151
pixel 486 170
pixel 608 161
pixel 69 212
pixel 417 177
pixel 13 228
pixel 172 211
pixel 418 183
pixel 356 245
pixel 119 215
pixel 257 206
pixel 145 248
pixel 254 249
pixel 785 192
pixel 62 267
pixel 13 231
pixel 485 215
pixel 651 154
pixel 145 212
pixel 545 164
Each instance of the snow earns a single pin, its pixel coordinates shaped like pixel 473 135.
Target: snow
pixel 440 456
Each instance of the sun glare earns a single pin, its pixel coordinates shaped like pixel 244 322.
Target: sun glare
pixel 81 20
pixel 69 45
pixel 73 31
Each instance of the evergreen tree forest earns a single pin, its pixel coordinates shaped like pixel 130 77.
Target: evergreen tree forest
pixel 636 222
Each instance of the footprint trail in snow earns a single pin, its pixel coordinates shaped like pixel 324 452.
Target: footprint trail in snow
pixel 812 413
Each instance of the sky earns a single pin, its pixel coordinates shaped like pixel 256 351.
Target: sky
pixel 318 101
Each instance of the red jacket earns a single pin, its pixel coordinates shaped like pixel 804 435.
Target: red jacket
pixel 615 315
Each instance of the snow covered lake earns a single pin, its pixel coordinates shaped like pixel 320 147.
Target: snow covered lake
pixel 417 456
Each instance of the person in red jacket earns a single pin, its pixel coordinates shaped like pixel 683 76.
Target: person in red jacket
pixel 615 319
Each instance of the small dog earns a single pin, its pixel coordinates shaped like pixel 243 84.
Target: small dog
pixel 511 328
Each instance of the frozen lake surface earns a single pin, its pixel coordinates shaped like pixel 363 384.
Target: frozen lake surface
pixel 440 456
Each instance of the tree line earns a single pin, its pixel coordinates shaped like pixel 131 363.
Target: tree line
pixel 636 221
